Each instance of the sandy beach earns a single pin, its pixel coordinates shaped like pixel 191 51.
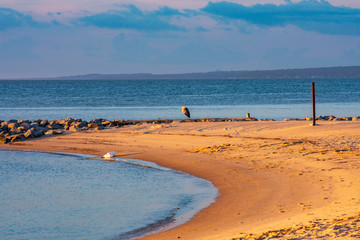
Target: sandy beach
pixel 283 179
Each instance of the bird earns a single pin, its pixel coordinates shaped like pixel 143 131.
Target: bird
pixel 109 155
pixel 186 111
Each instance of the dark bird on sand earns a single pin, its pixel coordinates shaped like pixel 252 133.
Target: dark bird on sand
pixel 186 111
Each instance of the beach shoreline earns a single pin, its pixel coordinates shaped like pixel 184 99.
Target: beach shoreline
pixel 270 175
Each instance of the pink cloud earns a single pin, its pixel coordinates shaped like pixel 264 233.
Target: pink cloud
pixel 45 6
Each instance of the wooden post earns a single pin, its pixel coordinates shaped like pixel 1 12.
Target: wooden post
pixel 248 115
pixel 313 103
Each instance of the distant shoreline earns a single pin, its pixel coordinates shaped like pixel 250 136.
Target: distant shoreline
pixel 297 73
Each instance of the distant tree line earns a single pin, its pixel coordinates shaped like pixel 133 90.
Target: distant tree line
pixel 325 72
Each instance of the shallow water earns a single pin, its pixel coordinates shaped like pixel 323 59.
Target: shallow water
pixel 152 99
pixel 62 196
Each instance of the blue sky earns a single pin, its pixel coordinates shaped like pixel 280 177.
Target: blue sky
pixel 46 38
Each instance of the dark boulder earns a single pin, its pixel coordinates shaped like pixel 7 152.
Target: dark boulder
pixel 53 132
pixel 3 124
pixel 54 126
pixel 13 125
pixel 43 123
pixel 29 133
pixel 78 124
pixel 3 140
pixel 25 125
pixel 92 125
pixel 24 121
pixel 106 123
pixel 37 121
pixel 12 121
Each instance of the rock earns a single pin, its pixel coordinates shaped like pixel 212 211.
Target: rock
pixel 92 125
pixel 54 126
pixel 44 129
pixel 59 122
pixel 14 131
pixel 24 121
pixel 3 140
pixel 43 123
pixel 329 117
pixel 346 118
pixel 37 121
pixel 29 133
pixel 106 123
pixel 63 122
pixel 17 137
pixel 355 118
pixel 34 125
pixel 33 133
pixel 13 125
pixel 3 132
pixel 39 133
pixel 53 132
pixel 12 121
pixel 66 126
pixel 74 129
pixel 3 124
pixel 99 128
pixel 25 125
pixel 78 120
pixel 22 129
pixel 78 124
pixel 69 120
pixel 98 120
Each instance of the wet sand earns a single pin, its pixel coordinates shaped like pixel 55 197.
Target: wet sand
pixel 286 177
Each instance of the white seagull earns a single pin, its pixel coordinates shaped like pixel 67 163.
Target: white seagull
pixel 186 111
pixel 109 155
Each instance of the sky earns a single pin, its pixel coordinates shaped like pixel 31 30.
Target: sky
pixel 49 38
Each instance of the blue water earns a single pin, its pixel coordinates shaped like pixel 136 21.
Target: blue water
pixel 152 99
pixel 61 196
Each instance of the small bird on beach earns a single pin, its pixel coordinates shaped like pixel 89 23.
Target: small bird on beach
pixel 109 155
pixel 186 111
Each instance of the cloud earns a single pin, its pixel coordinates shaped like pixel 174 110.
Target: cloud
pixel 133 18
pixel 312 15
pixel 10 18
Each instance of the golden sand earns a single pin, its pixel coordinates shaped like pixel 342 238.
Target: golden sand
pixel 283 179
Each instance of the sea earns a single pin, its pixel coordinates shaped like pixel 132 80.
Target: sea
pixel 79 197
pixel 152 99
pixel 62 196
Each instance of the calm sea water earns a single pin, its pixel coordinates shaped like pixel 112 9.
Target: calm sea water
pixel 61 196
pixel 152 99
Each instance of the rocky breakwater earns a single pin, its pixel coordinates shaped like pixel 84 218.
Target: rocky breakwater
pixel 17 130
pixel 326 118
